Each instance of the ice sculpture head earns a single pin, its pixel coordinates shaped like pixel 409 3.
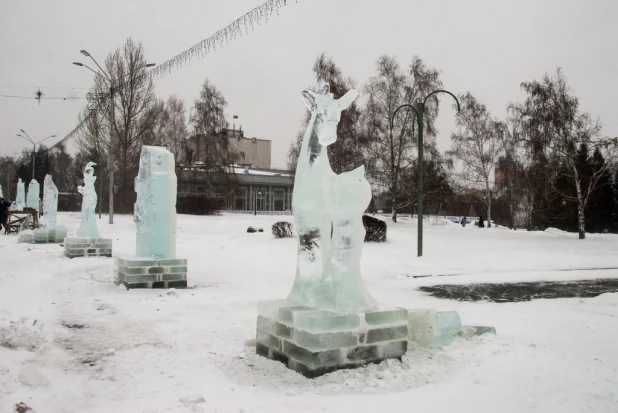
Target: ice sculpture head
pixel 327 111
pixel 89 170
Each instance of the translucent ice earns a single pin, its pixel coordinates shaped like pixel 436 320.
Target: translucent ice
pixel 328 277
pixel 21 195
pixel 34 193
pixel 50 202
pixel 88 227
pixel 155 208
pixel 1 194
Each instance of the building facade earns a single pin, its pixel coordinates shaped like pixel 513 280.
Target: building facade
pixel 258 186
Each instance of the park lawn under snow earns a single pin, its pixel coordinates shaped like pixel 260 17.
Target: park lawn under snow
pixel 106 349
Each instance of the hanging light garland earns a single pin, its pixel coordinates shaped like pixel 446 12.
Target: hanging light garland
pixel 237 28
pixel 256 16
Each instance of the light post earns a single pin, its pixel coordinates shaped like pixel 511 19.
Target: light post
pixel 107 78
pixel 255 196
pixel 27 137
pixel 419 111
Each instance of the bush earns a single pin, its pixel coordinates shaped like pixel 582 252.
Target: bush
pixel 197 204
pixel 375 229
pixel 283 229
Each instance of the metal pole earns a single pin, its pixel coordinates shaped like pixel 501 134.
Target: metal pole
pixel 33 159
pixel 420 108
pixel 111 156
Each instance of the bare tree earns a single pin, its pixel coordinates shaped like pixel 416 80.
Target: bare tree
pixel 476 148
pixel 132 120
pixel 347 152
pixel 390 155
pixel 174 126
pixel 557 129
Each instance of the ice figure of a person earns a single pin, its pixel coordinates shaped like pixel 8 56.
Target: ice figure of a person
pixel 155 207
pixel 50 201
pixel 328 279
pixel 88 227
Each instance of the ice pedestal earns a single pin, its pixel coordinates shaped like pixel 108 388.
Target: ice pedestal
pixel 87 247
pixel 50 235
pixel 144 272
pixel 314 342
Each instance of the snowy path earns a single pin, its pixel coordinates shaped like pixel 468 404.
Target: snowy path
pixel 141 351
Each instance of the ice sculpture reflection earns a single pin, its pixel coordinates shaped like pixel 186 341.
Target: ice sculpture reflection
pixel 50 202
pixel 328 276
pixel 155 208
pixel 88 227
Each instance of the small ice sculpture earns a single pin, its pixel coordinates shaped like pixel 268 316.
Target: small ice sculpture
pixel 50 202
pixel 21 195
pixel 155 208
pixel 88 227
pixel 328 277
pixel 1 194
pixel 34 193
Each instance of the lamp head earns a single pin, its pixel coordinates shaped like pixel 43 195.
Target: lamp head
pixel 85 53
pixel 150 64
pixel 77 64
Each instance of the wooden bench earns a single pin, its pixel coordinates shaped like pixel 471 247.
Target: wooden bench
pixel 15 220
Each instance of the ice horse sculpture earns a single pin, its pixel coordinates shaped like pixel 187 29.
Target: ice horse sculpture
pixel 88 242
pixel 155 265
pixel 329 320
pixel 52 232
pixel 21 195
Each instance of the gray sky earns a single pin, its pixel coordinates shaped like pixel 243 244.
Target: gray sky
pixel 487 47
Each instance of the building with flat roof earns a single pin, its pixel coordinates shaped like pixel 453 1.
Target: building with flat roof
pixel 259 187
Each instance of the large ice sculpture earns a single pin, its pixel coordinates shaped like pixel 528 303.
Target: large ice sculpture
pixel 33 197
pixel 155 208
pixel 328 321
pixel 88 227
pixel 21 195
pixel 50 202
pixel 155 264
pixel 328 278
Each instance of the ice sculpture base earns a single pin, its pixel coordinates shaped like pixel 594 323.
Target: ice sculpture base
pixel 87 247
pixel 50 236
pixel 144 272
pixel 314 342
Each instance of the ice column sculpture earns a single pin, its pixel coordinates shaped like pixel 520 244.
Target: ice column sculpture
pixel 155 208
pixel 32 198
pixel 50 202
pixel 21 195
pixel 88 227
pixel 322 201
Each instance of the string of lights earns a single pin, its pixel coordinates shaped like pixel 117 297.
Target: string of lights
pixel 237 28
pixel 40 98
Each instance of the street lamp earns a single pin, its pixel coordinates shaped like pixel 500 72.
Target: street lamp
pixel 27 137
pixel 259 193
pixel 108 81
pixel 419 111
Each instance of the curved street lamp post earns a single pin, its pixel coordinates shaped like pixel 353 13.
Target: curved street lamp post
pixel 29 139
pixel 95 100
pixel 419 111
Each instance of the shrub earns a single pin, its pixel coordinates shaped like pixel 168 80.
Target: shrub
pixel 197 204
pixel 283 229
pixel 375 229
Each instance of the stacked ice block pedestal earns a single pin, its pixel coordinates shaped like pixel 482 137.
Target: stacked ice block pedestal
pixel 314 342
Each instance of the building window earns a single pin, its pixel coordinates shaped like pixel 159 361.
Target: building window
pixel 241 199
pixel 279 199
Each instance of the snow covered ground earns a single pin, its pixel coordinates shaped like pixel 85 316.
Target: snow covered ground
pixel 105 349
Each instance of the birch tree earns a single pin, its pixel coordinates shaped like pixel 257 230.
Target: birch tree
pixel 476 148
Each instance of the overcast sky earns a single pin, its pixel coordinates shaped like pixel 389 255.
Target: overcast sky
pixel 486 47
